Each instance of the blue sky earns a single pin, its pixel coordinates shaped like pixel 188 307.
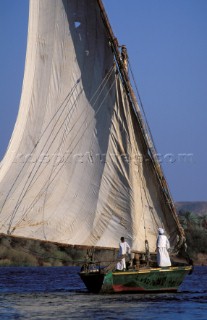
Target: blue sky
pixel 167 47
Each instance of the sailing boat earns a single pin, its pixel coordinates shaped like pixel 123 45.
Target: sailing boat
pixel 81 168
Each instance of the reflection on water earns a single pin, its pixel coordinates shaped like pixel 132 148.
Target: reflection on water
pixel 58 293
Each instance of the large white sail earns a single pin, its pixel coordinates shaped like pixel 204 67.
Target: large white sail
pixel 77 169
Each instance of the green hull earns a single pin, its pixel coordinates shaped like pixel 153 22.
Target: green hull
pixel 144 280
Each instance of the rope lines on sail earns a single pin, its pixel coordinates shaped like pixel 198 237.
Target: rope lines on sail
pixel 45 130
pixel 93 101
pixel 132 99
pixel 73 147
pixel 23 193
pixel 62 107
pixel 94 98
pixel 142 185
pixel 153 155
pixel 57 171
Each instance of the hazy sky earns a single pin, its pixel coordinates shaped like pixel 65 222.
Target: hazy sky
pixel 167 46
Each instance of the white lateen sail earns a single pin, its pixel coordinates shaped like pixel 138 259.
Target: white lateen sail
pixel 79 168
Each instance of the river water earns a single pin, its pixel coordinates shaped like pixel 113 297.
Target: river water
pixel 58 293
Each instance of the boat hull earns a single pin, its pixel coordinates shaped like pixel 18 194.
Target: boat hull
pixel 144 280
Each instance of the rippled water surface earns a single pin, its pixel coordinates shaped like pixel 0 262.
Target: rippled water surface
pixel 58 293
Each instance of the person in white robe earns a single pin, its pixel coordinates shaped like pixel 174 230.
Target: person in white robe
pixel 124 248
pixel 163 245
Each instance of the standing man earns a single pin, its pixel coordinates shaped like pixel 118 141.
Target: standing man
pixel 163 259
pixel 124 248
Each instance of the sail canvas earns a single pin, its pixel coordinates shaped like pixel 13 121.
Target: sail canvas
pixel 77 169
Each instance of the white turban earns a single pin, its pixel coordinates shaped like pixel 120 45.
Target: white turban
pixel 161 231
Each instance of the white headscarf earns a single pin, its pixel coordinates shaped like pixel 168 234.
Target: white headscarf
pixel 161 231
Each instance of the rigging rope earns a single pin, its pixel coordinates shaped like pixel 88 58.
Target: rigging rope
pixel 35 201
pixel 43 188
pixel 64 105
pixel 45 130
pixel 23 191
